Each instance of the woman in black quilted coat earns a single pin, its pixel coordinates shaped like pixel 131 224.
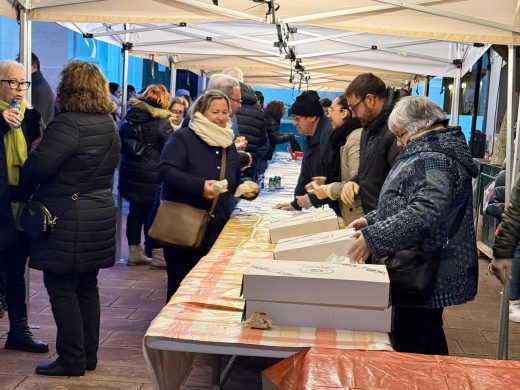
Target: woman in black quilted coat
pixel 73 168
pixel 274 113
pixel 139 174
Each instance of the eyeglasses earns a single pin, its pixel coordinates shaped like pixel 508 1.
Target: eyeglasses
pixel 15 84
pixel 355 106
pixel 174 112
pixel 236 100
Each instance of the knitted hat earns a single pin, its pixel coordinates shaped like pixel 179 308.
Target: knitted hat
pixel 307 104
pixel 182 92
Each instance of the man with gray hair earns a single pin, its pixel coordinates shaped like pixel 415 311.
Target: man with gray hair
pixel 230 87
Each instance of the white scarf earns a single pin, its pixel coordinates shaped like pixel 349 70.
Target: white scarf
pixel 211 133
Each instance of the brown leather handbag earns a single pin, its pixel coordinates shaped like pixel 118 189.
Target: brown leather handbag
pixel 182 225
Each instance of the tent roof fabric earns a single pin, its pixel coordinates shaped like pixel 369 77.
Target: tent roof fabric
pixel 448 20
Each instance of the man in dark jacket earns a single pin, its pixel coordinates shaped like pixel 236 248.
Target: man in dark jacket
pixel 371 102
pixel 42 97
pixel 250 119
pixel 307 116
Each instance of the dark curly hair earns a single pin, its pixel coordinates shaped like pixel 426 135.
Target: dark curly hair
pixel 275 109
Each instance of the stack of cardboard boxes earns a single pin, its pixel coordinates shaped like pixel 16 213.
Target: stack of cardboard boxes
pixel 300 289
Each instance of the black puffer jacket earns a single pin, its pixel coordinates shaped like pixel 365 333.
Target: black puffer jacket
pixel 250 119
pixel 377 152
pixel 32 127
pixel 139 175
pixel 272 128
pixel 73 147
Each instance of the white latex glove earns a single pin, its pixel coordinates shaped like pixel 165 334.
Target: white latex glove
pixel 220 186
pixel 357 224
pixel 284 206
pixel 502 269
pixel 348 192
pixel 248 189
pixel 303 201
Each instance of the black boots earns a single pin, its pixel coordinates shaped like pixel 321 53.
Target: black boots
pixel 19 336
pixel 57 368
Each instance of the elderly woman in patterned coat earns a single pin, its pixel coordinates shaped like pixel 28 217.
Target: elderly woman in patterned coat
pixel 419 202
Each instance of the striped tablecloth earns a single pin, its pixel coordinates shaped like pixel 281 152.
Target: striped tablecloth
pixel 205 313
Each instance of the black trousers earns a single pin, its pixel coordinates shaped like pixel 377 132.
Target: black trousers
pixel 75 306
pixel 179 262
pixel 12 262
pixel 419 330
pixel 136 220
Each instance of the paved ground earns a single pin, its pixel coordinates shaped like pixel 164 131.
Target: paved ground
pixel 130 299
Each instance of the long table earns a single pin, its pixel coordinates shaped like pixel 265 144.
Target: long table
pixel 204 315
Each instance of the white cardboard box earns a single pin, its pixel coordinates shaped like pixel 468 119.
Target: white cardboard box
pixel 323 316
pixel 307 223
pixel 315 247
pixel 360 285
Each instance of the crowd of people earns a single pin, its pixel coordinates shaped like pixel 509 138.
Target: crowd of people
pixel 386 162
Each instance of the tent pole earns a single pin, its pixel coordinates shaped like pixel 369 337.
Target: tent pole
pixel 119 217
pixel 426 91
pixel 173 76
pixel 455 104
pixel 204 84
pixel 476 98
pixel 503 336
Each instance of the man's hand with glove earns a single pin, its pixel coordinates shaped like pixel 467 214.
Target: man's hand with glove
pixel 348 192
pixel 502 269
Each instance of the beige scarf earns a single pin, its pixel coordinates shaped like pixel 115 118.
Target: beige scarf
pixel 210 133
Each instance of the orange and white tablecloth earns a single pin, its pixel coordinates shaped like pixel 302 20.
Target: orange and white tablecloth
pixel 204 315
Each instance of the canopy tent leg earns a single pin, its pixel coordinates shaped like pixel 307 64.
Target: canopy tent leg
pixel 173 76
pixel 503 336
pixel 455 103
pixel 124 93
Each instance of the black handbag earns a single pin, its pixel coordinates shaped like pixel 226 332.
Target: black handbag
pixel 413 272
pixel 132 142
pixel 37 220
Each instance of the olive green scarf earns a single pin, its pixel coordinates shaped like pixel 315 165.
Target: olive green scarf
pixel 15 147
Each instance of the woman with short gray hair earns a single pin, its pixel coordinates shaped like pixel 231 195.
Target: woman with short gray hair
pixel 425 205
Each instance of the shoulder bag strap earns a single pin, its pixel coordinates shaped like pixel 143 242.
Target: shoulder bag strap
pixel 222 176
pixel 458 219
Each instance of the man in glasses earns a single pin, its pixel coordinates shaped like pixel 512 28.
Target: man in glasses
pixel 370 101
pixel 308 118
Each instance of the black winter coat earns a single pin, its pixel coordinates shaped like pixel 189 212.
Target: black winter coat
pixel 316 158
pixel 250 119
pixel 74 146
pixel 32 128
pixel 139 175
pixel 42 96
pixel 377 152
pixel 272 128
pixel 186 163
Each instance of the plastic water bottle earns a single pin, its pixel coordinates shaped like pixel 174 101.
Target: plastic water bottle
pixel 14 104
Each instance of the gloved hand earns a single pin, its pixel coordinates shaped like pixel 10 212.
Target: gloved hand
pixel 348 192
pixel 358 224
pixel 502 269
pixel 304 202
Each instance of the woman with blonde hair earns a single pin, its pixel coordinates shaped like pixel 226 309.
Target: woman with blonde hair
pixel 72 171
pixel 20 127
pixel 139 172
pixel 178 108
pixel 191 164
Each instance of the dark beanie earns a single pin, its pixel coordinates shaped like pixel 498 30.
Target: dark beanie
pixel 307 104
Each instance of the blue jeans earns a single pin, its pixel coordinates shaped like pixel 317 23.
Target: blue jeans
pixel 514 286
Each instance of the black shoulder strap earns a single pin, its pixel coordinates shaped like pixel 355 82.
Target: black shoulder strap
pixel 458 219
